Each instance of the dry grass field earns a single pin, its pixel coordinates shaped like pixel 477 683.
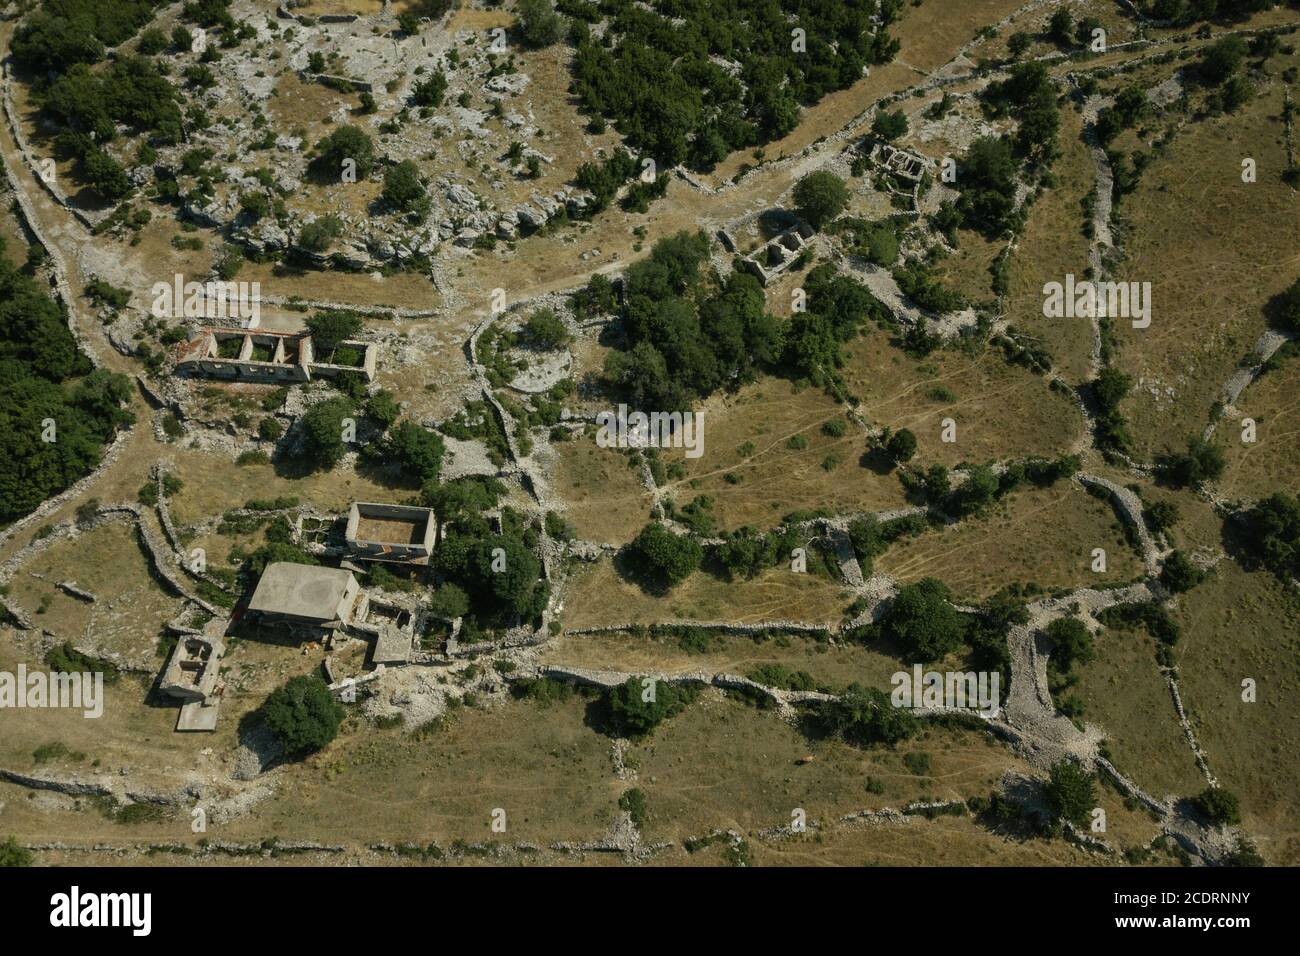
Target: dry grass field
pixel 749 436
pixel 213 485
pixel 1272 462
pixel 966 271
pixel 832 665
pixel 599 596
pixel 724 763
pixel 1240 625
pixel 1124 692
pixel 1002 411
pixel 1215 250
pixel 1053 245
pixel 110 563
pixel 606 501
pixel 1043 537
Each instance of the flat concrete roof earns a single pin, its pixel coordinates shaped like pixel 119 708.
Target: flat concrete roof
pixel 198 716
pixel 392 646
pixel 301 590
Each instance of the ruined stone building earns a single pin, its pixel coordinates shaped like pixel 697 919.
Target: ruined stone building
pixel 193 675
pixel 396 533
pixel 275 357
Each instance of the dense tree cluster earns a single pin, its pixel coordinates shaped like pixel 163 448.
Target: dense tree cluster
pixel 687 338
pixel 1130 106
pixel 605 178
pixel 1272 534
pixel 838 308
pixel 1219 67
pixel 1183 12
pixel 659 74
pixel 91 104
pixel 61 33
pixel 1029 96
pixel 500 572
pixel 746 552
pixel 56 412
pixel 1109 389
pixel 987 179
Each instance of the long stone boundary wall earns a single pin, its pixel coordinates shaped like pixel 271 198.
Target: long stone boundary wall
pixel 725 627
pixel 72 788
pixel 607 680
pixel 1129 507
pixel 287 302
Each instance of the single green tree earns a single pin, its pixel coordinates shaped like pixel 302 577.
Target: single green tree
pixel 328 329
pixel 1286 308
pixel 889 125
pixel 403 189
pixel 1071 643
pixel 537 24
pixel 347 144
pixel 322 431
pixel 638 706
pixel 1071 792
pixel 820 197
pixel 1180 574
pixel 303 715
pixel 547 330
pixel 416 450
pixel 901 446
pixel 430 90
pixel 664 556
pixel 923 622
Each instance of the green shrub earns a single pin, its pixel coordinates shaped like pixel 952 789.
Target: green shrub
pixel 638 707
